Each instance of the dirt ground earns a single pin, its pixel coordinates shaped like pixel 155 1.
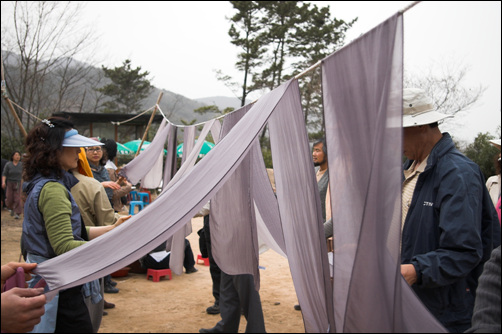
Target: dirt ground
pixel 178 305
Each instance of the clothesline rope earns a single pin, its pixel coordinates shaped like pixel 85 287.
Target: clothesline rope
pixel 130 119
pixel 25 111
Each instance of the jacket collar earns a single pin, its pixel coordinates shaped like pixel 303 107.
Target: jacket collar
pixel 443 146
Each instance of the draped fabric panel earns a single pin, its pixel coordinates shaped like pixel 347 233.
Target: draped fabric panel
pixel 300 210
pixel 362 93
pixel 190 153
pixel 233 231
pixel 265 205
pixel 139 167
pixel 167 214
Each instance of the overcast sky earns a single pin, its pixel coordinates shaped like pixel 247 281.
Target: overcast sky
pixel 182 43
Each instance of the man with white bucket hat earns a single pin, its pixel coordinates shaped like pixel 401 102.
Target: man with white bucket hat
pixel 449 225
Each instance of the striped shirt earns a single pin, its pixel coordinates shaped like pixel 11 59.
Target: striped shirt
pixel 410 181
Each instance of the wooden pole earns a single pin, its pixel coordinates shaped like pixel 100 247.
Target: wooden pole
pixel 11 107
pixel 149 123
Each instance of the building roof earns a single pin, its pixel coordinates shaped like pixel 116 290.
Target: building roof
pixel 84 119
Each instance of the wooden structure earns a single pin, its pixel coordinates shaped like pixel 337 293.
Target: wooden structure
pixel 86 123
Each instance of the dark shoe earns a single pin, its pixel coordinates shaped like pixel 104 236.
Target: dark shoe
pixel 113 283
pixel 16 216
pixel 108 305
pixel 110 289
pixel 297 307
pixel 215 309
pixel 191 270
pixel 105 313
pixel 208 330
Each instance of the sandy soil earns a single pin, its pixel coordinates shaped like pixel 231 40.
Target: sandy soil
pixel 178 305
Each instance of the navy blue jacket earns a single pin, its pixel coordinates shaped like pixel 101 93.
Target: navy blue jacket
pixel 449 233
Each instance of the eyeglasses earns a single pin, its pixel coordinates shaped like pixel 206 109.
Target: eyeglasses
pixel 96 149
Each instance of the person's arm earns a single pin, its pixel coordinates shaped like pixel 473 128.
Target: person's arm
pixel 111 184
pixel 328 228
pixel 486 315
pixel 21 308
pixel 123 190
pixel 5 172
pixel 460 248
pixel 96 231
pixel 55 206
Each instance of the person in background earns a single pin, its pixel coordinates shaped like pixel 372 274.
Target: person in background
pixel 320 159
pixel 95 210
pixel 493 182
pixel 159 258
pixel 4 162
pixel 214 270
pixel 52 223
pixel 11 181
pixel 449 225
pixel 97 160
pixel 119 195
pixel 21 308
pixel 486 315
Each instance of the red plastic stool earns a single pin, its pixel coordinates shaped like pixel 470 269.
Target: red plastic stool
pixel 205 259
pixel 158 273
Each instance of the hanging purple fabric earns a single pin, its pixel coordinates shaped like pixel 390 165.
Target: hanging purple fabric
pixel 300 209
pixel 362 93
pixel 190 154
pixel 137 168
pixel 234 241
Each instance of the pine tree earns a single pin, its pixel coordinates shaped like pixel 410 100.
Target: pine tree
pixel 127 89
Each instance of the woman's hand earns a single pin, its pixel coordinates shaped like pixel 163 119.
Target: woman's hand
pixel 121 220
pixel 9 269
pixel 111 185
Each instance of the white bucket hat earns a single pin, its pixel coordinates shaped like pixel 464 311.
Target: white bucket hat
pixel 73 139
pixel 418 109
pixel 495 142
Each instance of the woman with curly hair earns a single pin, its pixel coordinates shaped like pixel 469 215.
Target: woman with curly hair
pixel 52 223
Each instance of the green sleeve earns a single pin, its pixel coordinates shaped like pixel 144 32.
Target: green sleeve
pixel 55 206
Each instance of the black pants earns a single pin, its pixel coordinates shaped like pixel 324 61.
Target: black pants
pixel 213 267
pixel 238 293
pixel 189 262
pixel 73 315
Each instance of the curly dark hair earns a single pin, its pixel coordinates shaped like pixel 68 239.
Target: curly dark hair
pixel 44 146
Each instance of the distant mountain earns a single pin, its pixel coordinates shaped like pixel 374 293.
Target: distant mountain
pixel 222 102
pixel 83 97
pixel 177 107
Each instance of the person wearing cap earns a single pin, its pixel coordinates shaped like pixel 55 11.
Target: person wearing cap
pixel 493 182
pixel 96 210
pixel 52 223
pixel 449 225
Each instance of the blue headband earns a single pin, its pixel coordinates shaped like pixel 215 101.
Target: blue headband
pixel 70 133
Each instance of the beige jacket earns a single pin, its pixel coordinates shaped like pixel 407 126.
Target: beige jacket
pixel 92 201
